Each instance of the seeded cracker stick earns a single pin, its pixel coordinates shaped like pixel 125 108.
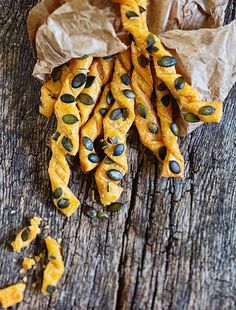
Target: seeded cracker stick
pixel 65 141
pixel 116 125
pixel 164 63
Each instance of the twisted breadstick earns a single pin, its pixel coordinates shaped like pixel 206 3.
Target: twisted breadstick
pixel 92 129
pixel 65 141
pixel 146 120
pixel 99 74
pixel 116 125
pixel 187 96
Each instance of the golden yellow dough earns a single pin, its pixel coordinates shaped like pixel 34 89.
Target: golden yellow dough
pixel 116 125
pixel 55 267
pixel 12 295
pixel 27 235
pixel 187 96
pixel 65 141
pixel 28 263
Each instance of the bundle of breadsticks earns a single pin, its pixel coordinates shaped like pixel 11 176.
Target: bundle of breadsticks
pixel 98 99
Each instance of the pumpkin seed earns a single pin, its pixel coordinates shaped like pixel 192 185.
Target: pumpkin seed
pixel 174 167
pixel 102 216
pixel 116 114
pixel 91 212
pixel 166 100
pixel 191 118
pixel 89 81
pixel 69 119
pixel 85 99
pixel 115 207
pixel 113 140
pixel 56 136
pixel 119 149
pixel 125 113
pixel 131 14
pixel 63 203
pixel 103 111
pixel 141 9
pixel 67 98
pixel 179 83
pixel 56 74
pixel 108 57
pixel 128 93
pixel 110 99
pixel 153 97
pixel 52 257
pixel 79 80
pixel 66 142
pixel 51 289
pixel 114 174
pixel 162 87
pixel 143 61
pixel 207 110
pixel 152 49
pixel 83 57
pixel 88 143
pixel 69 159
pixel 175 129
pixel 94 158
pixel 167 61
pixel 162 152
pixel 141 110
pixel 57 193
pixel 108 161
pixel 151 40
pixel 125 79
pixel 25 235
pixel 153 128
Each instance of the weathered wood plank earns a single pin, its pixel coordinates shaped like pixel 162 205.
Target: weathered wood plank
pixel 173 248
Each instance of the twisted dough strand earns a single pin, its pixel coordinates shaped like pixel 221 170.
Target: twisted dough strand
pixel 65 141
pixel 116 125
pixel 187 96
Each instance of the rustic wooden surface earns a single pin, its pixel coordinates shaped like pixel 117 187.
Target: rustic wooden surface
pixel 173 247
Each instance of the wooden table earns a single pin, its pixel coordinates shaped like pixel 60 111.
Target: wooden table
pixel 173 247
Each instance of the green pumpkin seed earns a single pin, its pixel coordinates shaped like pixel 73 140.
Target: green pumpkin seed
pixel 125 113
pixel 103 111
pixel 162 87
pixel 162 152
pixel 56 136
pixel 166 100
pixel 114 174
pixel 67 98
pixel 191 118
pixel 102 216
pixel 94 158
pixel 110 99
pixel 63 203
pixel 56 74
pixel 69 159
pixel 116 114
pixel 153 128
pixel 113 140
pixel 119 149
pixel 57 193
pixel 174 167
pixel 151 40
pixel 125 79
pixel 108 57
pixel 51 289
pixel 175 129
pixel 83 57
pixel 128 93
pixel 90 80
pixel 166 61
pixel 141 9
pixel 152 49
pixel 88 143
pixel 79 80
pixel 51 257
pixel 108 161
pixel 69 119
pixel 85 99
pixel 141 110
pixel 25 235
pixel 115 207
pixel 91 212
pixel 66 142
pixel 179 83
pixel 131 14
pixel 207 110
pixel 143 61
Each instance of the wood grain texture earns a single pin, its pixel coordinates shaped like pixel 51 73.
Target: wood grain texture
pixel 173 247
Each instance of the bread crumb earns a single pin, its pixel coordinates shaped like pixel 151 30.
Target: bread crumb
pixel 28 263
pixel 34 284
pixel 13 211
pixel 22 270
pixel 25 279
pixel 59 240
